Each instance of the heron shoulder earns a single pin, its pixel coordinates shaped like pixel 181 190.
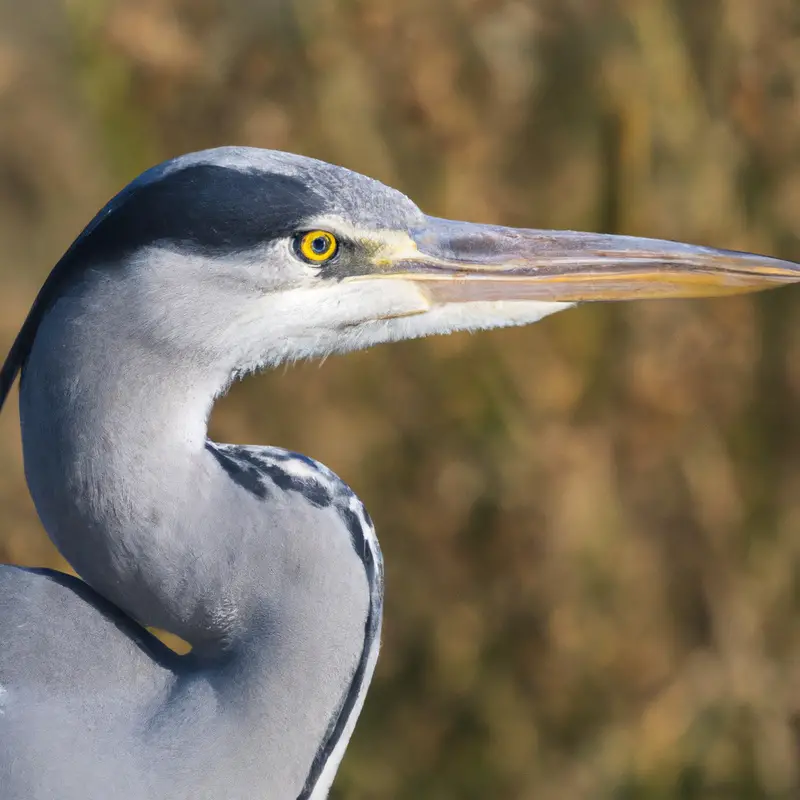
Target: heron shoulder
pixel 265 471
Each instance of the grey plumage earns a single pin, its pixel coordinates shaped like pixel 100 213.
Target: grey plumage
pixel 264 561
pixel 244 585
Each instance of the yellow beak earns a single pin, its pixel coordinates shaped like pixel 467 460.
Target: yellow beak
pixel 461 262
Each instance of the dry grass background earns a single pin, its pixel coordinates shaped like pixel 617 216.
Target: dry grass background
pixel 592 526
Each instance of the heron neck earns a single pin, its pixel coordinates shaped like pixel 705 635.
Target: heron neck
pixel 113 443
pixel 115 457
pixel 113 432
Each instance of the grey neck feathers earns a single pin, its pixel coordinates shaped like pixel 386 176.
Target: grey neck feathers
pixel 267 590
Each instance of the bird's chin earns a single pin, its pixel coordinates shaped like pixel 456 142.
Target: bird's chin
pixel 475 315
pixel 443 318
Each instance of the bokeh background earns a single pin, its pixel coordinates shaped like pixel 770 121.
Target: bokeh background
pixel 591 526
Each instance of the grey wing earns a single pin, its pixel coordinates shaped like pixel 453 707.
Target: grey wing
pixel 75 675
pixel 57 633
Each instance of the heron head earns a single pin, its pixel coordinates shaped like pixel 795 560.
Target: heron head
pixel 247 257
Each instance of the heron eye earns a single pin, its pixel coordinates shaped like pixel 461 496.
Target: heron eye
pixel 316 247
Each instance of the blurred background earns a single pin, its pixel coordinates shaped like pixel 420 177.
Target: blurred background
pixel 591 526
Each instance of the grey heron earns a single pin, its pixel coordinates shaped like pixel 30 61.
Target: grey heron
pixel 203 269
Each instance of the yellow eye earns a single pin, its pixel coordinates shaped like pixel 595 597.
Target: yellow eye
pixel 316 246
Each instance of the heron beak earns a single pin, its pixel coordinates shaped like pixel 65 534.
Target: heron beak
pixel 462 262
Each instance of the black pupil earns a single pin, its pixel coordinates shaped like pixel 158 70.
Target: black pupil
pixel 319 245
